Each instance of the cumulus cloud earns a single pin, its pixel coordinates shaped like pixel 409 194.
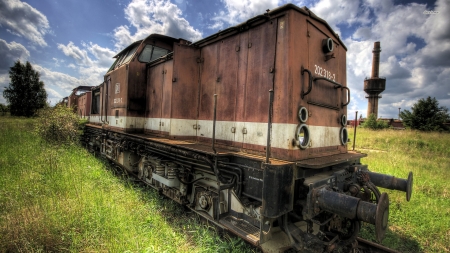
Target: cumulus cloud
pixel 79 55
pixel 58 84
pixel 154 16
pixel 11 52
pixel 24 20
pixel 92 61
pixel 413 70
pixel 237 11
pixel 342 12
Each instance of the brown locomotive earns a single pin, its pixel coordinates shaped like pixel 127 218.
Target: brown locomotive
pixel 247 128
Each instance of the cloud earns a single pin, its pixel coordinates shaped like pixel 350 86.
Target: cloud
pixel 79 55
pixel 11 52
pixel 342 12
pixel 57 83
pixel 413 70
pixel 92 61
pixel 237 11
pixel 24 20
pixel 154 16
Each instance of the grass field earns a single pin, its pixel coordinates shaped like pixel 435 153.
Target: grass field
pixel 66 200
pixel 423 224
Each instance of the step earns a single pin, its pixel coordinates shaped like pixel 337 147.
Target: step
pixel 242 228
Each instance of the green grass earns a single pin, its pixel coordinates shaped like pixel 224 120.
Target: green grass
pixel 423 224
pixel 62 199
pixel 65 200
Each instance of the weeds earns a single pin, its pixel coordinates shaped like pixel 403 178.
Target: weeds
pixel 59 125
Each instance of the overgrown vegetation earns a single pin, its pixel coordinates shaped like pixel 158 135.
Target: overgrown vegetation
pixel 421 225
pixel 59 125
pixel 62 199
pixel 372 123
pixel 426 115
pixel 25 93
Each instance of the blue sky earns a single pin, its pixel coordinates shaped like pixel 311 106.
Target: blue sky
pixel 72 42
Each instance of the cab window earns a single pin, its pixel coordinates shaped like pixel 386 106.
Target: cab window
pixel 151 53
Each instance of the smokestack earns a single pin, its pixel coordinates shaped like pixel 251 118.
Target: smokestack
pixel 374 85
pixel 376 59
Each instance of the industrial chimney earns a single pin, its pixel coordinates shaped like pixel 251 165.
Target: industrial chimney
pixel 374 85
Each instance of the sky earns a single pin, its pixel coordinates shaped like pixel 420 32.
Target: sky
pixel 72 42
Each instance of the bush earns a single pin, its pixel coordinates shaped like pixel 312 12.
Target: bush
pixel 59 125
pixel 372 123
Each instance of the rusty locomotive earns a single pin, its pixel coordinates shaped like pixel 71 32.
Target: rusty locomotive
pixel 247 128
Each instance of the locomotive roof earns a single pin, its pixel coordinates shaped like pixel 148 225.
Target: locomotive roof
pixel 153 36
pixel 82 88
pixel 304 10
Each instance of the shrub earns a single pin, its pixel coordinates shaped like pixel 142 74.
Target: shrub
pixel 59 125
pixel 372 123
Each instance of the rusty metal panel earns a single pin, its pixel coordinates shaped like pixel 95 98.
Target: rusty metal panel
pixel 167 90
pixel 240 92
pixel 185 86
pixel 261 60
pixel 260 69
pixel 167 97
pixel 208 79
pixel 226 83
pixel 155 91
pixel 117 89
pixel 242 76
pixel 136 88
pixel 283 85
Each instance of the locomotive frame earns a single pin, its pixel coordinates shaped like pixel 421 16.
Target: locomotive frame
pixel 247 128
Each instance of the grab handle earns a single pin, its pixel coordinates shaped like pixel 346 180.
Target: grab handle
pixel 312 78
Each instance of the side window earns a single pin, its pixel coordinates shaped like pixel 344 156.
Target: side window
pixel 151 53
pixel 146 54
pixel 158 52
pixel 130 54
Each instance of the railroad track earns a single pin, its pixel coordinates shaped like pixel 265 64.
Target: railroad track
pixel 368 246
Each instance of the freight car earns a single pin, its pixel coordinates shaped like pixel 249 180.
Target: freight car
pixel 247 128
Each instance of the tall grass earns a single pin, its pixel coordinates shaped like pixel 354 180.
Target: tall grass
pixel 62 199
pixel 423 224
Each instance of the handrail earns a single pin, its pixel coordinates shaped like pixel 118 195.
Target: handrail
pixel 348 94
pixel 303 94
pixel 312 78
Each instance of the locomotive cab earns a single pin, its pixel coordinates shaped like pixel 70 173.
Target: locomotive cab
pixel 125 85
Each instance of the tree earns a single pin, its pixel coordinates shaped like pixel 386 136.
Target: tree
pixel 3 109
pixel 26 93
pixel 426 115
pixel 372 123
